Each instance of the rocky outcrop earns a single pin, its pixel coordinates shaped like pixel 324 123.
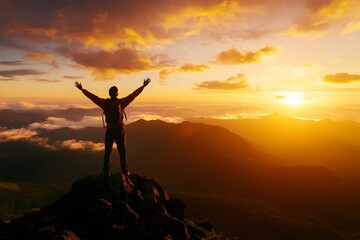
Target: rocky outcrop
pixel 115 207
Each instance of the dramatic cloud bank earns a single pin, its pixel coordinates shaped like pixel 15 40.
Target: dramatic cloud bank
pixel 114 37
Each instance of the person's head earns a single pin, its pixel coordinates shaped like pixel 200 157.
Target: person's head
pixel 113 92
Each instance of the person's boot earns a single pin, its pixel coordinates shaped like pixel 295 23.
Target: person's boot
pixel 125 172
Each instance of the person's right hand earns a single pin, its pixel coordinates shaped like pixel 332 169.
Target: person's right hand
pixel 78 85
pixel 146 82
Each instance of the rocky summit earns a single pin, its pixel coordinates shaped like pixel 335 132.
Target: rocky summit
pixel 115 207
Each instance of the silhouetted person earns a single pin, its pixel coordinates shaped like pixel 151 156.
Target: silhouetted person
pixel 114 111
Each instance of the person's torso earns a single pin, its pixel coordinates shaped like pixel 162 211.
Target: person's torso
pixel 113 113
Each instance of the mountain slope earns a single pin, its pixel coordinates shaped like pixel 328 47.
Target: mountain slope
pixel 115 207
pixel 193 160
pixel 333 144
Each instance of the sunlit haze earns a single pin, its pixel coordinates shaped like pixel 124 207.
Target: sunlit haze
pixel 222 59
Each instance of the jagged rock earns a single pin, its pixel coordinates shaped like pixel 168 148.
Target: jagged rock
pixel 116 207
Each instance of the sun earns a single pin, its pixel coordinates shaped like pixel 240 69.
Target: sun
pixel 293 98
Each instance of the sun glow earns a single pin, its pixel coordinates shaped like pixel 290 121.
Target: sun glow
pixel 293 98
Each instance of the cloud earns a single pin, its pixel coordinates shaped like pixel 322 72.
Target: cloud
pixel 55 123
pixel 42 142
pixel 28 135
pixel 303 70
pixel 233 56
pixel 352 27
pixel 16 134
pixel 12 63
pixel 40 56
pixel 143 24
pixel 23 134
pixel 113 29
pixel 232 83
pixel 8 79
pixel 72 77
pixel 74 144
pixel 319 17
pixel 105 25
pixel 188 67
pixel 294 70
pixel 39 104
pixel 34 105
pixel 105 64
pixel 46 80
pixel 341 78
pixel 43 57
pixel 20 72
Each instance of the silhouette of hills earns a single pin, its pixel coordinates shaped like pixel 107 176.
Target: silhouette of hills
pixel 218 174
pixel 18 119
pixel 22 118
pixel 213 159
pixel 333 144
pixel 76 114
pixel 115 207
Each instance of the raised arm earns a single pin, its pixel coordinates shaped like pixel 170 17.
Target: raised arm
pixel 98 101
pixel 127 100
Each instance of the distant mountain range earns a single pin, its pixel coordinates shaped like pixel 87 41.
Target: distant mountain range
pixel 246 183
pixel 22 118
pixel 333 144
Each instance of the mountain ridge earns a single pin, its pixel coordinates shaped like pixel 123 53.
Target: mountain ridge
pixel 333 144
pixel 116 207
pixel 208 160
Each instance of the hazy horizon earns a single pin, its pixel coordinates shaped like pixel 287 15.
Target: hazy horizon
pixel 178 112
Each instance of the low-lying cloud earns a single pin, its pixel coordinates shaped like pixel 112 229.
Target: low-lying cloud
pixel 31 136
pixel 55 123
pixel 7 135
pixel 74 144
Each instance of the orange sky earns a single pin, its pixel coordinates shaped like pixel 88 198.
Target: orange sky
pixel 292 56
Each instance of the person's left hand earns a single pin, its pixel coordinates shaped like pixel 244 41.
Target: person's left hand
pixel 146 82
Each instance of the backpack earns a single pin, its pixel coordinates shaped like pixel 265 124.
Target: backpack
pixel 113 112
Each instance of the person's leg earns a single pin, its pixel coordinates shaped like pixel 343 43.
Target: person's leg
pixel 109 140
pixel 121 146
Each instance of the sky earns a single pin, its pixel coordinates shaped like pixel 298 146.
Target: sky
pixel 223 59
